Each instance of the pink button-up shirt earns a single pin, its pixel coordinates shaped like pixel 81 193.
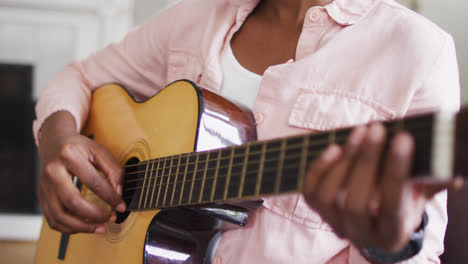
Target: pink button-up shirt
pixel 356 61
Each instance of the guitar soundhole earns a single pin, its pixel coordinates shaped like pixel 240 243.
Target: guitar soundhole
pixel 129 187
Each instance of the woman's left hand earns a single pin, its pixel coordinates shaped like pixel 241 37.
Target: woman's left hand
pixel 365 193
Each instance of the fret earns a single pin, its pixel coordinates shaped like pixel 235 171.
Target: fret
pixel 131 190
pixel 155 182
pixel 228 177
pixel 210 177
pixel 303 164
pixel 251 170
pixel 236 173
pixel 280 166
pixel 216 174
pixel 183 181
pixel 291 164
pixel 202 188
pixel 341 136
pixel 221 174
pixel 199 173
pixel 260 169
pixel 193 177
pixel 331 137
pixel 160 183
pixel 149 183
pixel 175 180
pixel 272 153
pixel 318 142
pixel 168 181
pixel 399 125
pixel 244 170
pixel 143 187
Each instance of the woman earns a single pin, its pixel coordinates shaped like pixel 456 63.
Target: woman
pixel 303 64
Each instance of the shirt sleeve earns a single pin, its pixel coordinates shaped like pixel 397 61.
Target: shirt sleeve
pixel 137 63
pixel 441 88
pixel 439 92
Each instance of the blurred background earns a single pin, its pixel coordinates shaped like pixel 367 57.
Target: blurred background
pixel 39 37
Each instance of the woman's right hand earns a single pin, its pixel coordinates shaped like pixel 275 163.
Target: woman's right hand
pixel 65 153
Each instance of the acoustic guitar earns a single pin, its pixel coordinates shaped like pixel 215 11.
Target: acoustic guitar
pixel 187 152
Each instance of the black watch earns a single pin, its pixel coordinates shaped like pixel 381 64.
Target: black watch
pixel 410 250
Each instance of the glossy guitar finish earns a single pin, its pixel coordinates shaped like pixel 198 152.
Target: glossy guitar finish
pixel 176 120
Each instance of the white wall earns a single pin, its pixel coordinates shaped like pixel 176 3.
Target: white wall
pixel 146 8
pixel 49 34
pixel 451 16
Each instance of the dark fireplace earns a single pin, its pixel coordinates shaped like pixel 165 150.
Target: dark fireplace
pixel 18 170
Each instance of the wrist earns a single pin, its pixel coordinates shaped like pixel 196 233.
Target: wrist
pixel 55 130
pixel 412 248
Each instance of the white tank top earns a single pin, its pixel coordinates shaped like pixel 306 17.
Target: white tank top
pixel 240 85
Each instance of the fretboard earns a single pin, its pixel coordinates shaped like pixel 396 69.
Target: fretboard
pixel 247 171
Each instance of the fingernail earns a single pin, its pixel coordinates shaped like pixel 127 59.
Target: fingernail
pixel 121 207
pixel 113 218
pixel 376 132
pixel 357 136
pixel 100 230
pixel 458 182
pixel 402 145
pixel 331 153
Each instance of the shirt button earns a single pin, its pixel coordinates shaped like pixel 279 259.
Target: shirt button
pixel 314 16
pixel 258 118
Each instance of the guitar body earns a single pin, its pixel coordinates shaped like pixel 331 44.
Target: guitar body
pixel 179 119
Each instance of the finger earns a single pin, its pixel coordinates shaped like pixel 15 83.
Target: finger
pixel 70 197
pixel 364 173
pixel 428 187
pixel 392 230
pixel 59 219
pixel 397 169
pixel 64 219
pixel 108 165
pixel 335 178
pixel 361 183
pixel 317 170
pixel 78 163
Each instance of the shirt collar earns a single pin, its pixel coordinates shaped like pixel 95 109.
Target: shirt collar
pixel 344 12
pixel 349 12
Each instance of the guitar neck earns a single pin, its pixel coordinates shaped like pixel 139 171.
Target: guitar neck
pixel 251 170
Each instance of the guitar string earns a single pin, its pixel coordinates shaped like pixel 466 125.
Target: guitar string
pixel 237 174
pixel 207 191
pixel 215 171
pixel 213 177
pixel 252 154
pixel 394 127
pixel 284 177
pixel 240 155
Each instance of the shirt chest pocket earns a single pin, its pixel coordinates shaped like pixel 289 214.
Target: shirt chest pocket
pixel 328 110
pixel 182 64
